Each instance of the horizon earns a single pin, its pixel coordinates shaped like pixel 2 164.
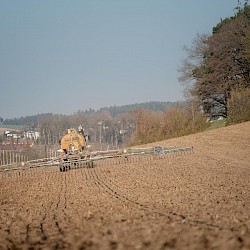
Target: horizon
pixel 86 110
pixel 61 57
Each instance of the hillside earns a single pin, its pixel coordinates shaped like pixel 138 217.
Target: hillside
pixel 152 106
pixel 193 201
pixel 113 110
pixel 230 143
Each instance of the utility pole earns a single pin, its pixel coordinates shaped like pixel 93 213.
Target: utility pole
pixel 100 126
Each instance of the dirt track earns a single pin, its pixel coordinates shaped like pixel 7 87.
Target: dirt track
pixel 194 201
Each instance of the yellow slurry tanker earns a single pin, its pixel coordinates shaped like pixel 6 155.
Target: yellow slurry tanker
pixel 73 147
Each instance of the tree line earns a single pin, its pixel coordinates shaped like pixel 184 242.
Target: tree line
pixel 114 111
pixel 113 125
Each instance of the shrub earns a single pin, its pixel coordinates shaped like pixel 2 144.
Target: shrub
pixel 239 106
pixel 174 122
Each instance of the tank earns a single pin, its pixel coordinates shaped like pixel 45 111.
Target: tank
pixel 73 142
pixel 73 145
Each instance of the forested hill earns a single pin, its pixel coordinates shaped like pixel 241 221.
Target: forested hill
pixel 152 106
pixel 113 110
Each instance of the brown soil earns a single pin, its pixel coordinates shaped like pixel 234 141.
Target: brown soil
pixel 193 201
pixel 2 130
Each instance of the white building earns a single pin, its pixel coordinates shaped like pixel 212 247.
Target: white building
pixel 31 135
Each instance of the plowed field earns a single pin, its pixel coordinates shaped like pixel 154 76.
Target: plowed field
pixel 193 201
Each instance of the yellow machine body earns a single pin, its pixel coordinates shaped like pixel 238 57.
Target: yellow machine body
pixel 73 142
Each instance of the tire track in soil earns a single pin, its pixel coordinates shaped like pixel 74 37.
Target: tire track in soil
pixel 61 220
pixel 52 207
pixel 67 210
pixel 45 222
pixel 108 186
pixel 170 215
pixel 44 236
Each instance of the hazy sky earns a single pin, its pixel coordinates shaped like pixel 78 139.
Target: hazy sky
pixel 62 56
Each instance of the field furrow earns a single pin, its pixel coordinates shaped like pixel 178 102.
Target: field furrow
pixel 184 201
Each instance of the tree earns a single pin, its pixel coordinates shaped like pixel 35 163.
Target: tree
pixel 219 63
pixel 195 60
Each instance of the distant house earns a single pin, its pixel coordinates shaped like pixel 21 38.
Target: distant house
pixel 7 133
pixel 31 135
pixel 11 135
